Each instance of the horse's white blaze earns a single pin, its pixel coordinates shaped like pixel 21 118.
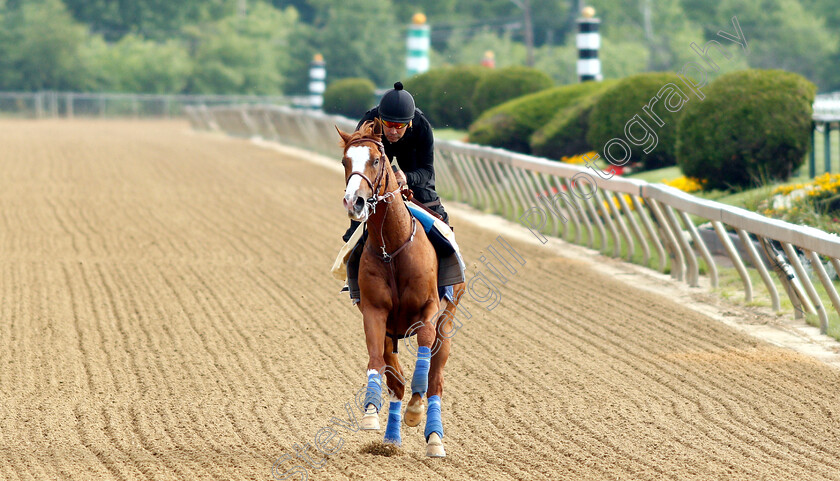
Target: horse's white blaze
pixel 359 156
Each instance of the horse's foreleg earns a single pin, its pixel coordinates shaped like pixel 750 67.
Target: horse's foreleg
pixel 420 378
pixel 434 422
pixel 375 337
pixel 396 389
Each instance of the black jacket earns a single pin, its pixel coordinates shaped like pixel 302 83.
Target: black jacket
pixel 415 154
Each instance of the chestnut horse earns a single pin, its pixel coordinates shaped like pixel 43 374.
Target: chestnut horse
pixel 399 292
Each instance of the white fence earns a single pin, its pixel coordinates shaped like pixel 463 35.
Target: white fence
pixel 622 217
pixel 72 104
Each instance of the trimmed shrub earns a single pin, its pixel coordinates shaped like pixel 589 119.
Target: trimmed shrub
pixel 350 97
pixel 754 125
pixel 501 85
pixel 511 124
pixel 454 97
pixel 618 106
pixel 565 134
pixel 426 88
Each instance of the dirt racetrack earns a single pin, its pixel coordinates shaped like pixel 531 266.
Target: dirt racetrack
pixel 166 312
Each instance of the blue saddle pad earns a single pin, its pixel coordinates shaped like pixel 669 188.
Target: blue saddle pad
pixel 440 243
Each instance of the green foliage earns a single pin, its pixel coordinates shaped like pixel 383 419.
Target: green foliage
pixel 39 45
pixel 565 134
pixel 152 19
pixel 426 88
pixel 754 125
pixel 137 65
pixel 361 38
pixel 511 124
pixel 784 35
pixel 661 26
pixel 303 45
pixel 445 94
pixel 366 38
pixel 243 54
pixel 551 19
pixel 454 103
pixel 617 107
pixel 501 85
pixel 350 97
pixel 622 58
pixel 469 50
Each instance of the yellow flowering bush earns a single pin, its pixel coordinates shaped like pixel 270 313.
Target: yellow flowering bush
pixel 577 159
pixel 826 185
pixel 685 184
pixel 617 205
pixel 815 203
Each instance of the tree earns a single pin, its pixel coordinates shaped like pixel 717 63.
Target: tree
pixel 39 47
pixel 782 35
pixel 137 65
pixel 463 51
pixel 244 55
pixel 157 19
pixel 362 38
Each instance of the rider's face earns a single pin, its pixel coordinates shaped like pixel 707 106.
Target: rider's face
pixel 394 132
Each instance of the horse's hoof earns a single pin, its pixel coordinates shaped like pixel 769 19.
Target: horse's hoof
pixel 370 421
pixel 393 441
pixel 434 447
pixel 413 412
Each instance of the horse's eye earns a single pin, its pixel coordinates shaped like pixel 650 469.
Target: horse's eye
pixel 376 162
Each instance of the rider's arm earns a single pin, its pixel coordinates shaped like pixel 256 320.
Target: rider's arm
pixel 424 168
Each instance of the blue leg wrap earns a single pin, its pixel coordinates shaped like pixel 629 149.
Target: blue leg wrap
pixel 420 379
pixel 374 391
pixel 433 421
pixel 392 431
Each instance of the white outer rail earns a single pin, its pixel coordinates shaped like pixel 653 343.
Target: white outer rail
pixel 516 186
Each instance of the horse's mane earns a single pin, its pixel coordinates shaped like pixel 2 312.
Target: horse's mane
pixel 364 132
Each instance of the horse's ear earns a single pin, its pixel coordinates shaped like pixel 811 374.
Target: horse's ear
pixel 377 127
pixel 344 136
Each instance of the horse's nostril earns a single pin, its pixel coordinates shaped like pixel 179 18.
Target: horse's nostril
pixel 359 204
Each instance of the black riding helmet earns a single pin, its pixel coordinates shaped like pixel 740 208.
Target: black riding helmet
pixel 397 105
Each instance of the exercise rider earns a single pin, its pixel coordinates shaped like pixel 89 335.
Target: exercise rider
pixel 409 139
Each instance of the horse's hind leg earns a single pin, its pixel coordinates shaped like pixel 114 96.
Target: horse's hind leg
pixel 420 378
pixel 396 389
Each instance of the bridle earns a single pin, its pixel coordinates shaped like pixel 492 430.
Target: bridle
pixel 375 187
pixel 377 198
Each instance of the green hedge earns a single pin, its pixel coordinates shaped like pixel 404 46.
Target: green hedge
pixel 754 125
pixel 454 107
pixel 445 94
pixel 350 97
pixel 565 134
pixel 621 103
pixel 426 88
pixel 511 124
pixel 501 85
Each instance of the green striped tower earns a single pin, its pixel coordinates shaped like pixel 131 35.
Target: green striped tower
pixel 418 45
pixel 317 81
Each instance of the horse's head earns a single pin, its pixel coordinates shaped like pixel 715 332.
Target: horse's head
pixel 366 172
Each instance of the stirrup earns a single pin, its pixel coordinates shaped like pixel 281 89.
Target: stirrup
pixel 346 288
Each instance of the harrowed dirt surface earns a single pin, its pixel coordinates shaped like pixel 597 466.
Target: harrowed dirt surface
pixel 167 313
